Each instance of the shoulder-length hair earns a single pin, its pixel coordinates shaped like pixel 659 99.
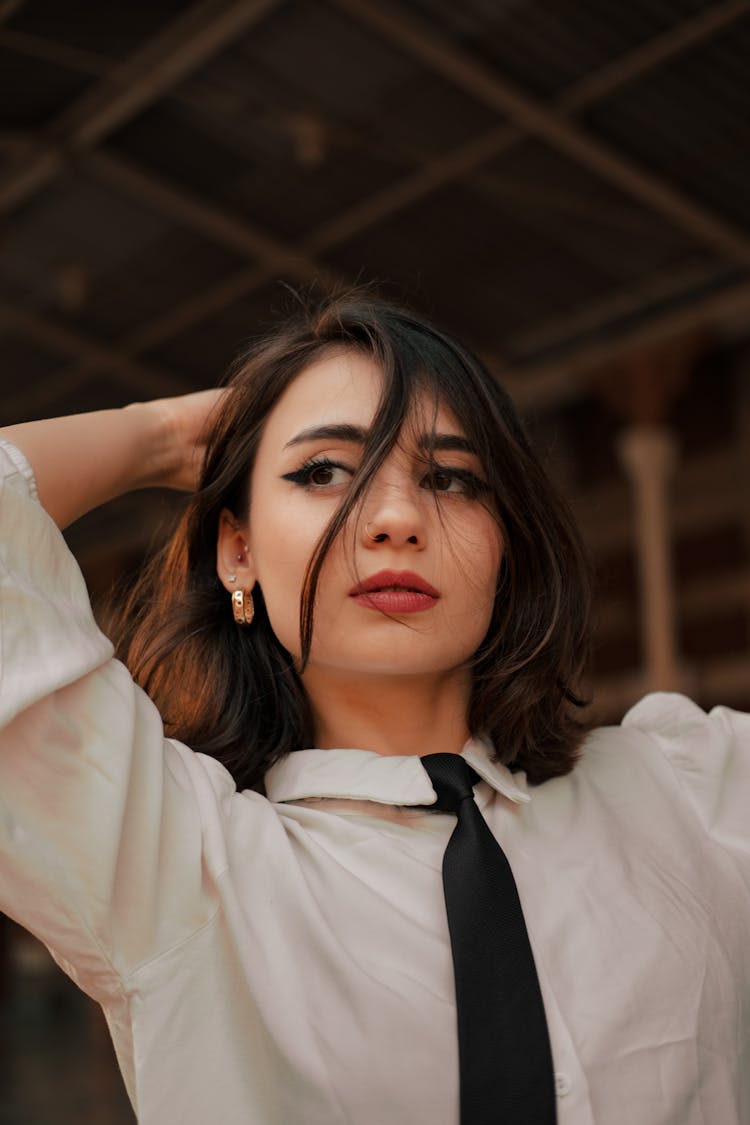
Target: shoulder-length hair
pixel 235 693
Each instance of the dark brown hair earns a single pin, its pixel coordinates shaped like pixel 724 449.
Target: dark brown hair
pixel 235 693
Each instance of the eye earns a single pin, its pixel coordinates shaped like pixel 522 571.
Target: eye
pixel 442 481
pixel 320 473
pixel 326 474
pixel 461 482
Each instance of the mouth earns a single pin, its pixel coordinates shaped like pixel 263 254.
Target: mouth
pixel 395 592
pixel 395 580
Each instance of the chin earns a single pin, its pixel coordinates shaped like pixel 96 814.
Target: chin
pixel 404 666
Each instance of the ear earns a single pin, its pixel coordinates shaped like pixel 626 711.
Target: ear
pixel 233 555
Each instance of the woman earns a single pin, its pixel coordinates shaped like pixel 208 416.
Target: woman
pixel 373 567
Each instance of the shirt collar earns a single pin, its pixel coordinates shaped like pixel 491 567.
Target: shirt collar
pixel 365 775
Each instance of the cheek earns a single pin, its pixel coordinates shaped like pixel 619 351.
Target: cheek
pixel 476 548
pixel 280 577
pixel 280 540
pixel 283 540
pixel 280 556
pixel 477 556
pixel 281 562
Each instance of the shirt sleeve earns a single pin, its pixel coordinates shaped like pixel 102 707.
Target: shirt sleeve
pixel 102 821
pixel 710 754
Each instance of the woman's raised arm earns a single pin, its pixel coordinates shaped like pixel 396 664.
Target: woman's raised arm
pixel 84 460
pixel 102 820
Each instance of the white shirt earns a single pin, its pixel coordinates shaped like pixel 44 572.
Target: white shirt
pixel 286 961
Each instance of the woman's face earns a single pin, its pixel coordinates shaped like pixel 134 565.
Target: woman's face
pixel 424 544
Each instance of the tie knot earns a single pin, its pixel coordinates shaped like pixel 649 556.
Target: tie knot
pixel 452 779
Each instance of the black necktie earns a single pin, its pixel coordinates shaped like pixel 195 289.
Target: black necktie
pixel 504 1052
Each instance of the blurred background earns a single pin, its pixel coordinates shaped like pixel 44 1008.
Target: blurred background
pixel 563 183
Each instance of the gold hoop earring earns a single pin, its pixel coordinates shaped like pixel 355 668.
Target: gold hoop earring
pixel 243 607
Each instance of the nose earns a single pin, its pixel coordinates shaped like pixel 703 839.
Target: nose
pixel 395 518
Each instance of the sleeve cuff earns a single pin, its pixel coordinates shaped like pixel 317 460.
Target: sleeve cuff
pixel 15 463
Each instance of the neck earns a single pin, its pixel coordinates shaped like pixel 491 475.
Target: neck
pixel 398 715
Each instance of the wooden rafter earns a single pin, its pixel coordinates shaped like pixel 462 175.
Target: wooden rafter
pixel 535 118
pixel 87 354
pixel 301 262
pixel 185 44
pixel 459 162
pixel 546 383
pixel 208 219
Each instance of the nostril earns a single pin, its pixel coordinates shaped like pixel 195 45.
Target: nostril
pixel 379 536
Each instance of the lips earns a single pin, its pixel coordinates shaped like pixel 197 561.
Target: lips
pixel 395 592
pixel 394 580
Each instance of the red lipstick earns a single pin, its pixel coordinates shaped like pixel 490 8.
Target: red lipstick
pixel 395 591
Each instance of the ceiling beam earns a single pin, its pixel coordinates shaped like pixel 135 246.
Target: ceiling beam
pixel 545 384
pixel 197 308
pixel 329 234
pixel 186 44
pixel 587 90
pixel 8 9
pixel 93 63
pixel 453 165
pixel 539 383
pixel 206 218
pixel 666 285
pixel 533 386
pixel 654 52
pixel 90 357
pixel 460 161
pixel 536 119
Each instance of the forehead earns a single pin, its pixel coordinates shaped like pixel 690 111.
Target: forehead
pixel 343 387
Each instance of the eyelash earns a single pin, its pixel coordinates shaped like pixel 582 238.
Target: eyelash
pixel 304 473
pixel 473 486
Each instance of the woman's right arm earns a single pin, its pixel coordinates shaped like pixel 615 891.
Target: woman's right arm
pixel 84 460
pixel 102 821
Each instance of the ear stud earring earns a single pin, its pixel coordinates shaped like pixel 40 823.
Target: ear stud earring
pixel 233 577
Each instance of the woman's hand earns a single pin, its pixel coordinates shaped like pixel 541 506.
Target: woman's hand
pixel 84 460
pixel 185 421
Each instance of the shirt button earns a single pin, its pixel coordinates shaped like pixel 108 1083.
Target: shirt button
pixel 563 1085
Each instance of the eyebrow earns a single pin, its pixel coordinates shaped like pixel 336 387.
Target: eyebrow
pixel 343 432
pixel 357 435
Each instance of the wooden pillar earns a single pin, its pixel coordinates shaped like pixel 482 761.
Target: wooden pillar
pixel 648 454
pixel 743 427
pixel 642 389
